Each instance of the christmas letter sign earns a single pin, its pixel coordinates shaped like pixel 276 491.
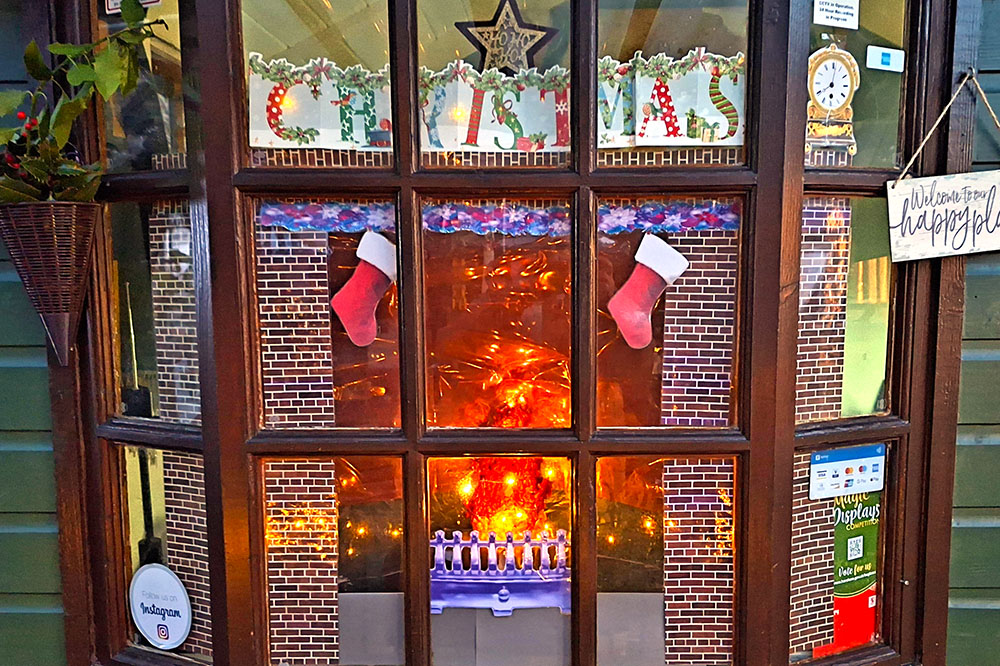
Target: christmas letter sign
pixel 944 215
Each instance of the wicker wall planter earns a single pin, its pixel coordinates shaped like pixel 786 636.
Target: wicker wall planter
pixel 50 243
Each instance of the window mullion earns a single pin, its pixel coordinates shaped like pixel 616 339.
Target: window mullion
pixel 778 57
pixel 402 46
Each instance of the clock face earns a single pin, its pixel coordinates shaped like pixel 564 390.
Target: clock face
pixel 832 86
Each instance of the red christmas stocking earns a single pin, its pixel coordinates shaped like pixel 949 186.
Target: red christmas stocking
pixel 356 301
pixel 657 266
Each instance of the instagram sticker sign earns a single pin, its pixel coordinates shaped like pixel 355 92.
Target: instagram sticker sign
pixel 161 609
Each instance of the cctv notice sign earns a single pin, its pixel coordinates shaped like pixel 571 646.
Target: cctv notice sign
pixel 160 606
pixel 943 216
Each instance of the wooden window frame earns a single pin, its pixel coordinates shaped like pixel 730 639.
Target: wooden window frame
pixel 924 358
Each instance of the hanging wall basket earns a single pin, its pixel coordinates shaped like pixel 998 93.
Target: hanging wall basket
pixel 50 243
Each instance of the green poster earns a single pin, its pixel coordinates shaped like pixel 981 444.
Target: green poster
pixel 856 550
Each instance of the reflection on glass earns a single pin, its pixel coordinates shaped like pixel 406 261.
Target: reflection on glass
pixel 671 81
pixel 334 538
pixel 665 560
pixel 146 129
pixel 844 299
pixel 318 83
pixel 835 604
pixel 157 314
pixel 165 523
pixel 497 313
pixel 494 82
pixel 855 86
pixel 328 314
pixel 500 560
pixel 666 361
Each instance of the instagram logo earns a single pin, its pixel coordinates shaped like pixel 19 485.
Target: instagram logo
pixel 162 632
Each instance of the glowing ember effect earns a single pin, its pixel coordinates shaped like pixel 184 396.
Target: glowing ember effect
pixel 499 354
pixel 507 495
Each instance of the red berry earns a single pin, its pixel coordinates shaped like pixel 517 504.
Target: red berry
pixel 22 173
pixel 21 115
pixel 15 165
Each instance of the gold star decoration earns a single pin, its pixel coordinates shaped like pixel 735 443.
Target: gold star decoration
pixel 506 41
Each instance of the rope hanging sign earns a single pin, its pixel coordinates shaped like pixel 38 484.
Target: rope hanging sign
pixel 942 216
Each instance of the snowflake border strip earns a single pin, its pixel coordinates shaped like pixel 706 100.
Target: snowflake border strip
pixel 656 217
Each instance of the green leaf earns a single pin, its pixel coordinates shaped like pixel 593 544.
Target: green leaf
pixel 131 79
pixel 85 193
pixel 37 168
pixel 35 64
pixel 79 74
pixel 108 67
pixel 71 168
pixel 133 36
pixel 66 113
pixel 10 100
pixel 14 191
pixel 71 50
pixel 7 133
pixel 133 12
pixel 44 123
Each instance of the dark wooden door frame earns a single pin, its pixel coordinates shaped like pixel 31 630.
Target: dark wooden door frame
pixel 220 188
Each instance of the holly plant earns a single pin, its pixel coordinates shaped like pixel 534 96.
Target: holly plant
pixel 38 163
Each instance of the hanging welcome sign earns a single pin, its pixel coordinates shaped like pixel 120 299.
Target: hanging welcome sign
pixel 664 101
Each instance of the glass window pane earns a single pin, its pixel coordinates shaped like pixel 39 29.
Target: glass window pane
pixel 328 313
pixel 497 313
pixel 500 560
pixel 845 291
pixel 334 537
pixel 157 314
pixel 855 84
pixel 665 560
pixel 318 82
pixel 145 130
pixel 165 523
pixel 836 554
pixel 671 83
pixel 494 83
pixel 666 361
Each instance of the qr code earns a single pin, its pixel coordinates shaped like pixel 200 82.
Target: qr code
pixel 855 547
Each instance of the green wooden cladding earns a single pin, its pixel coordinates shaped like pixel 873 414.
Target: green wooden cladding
pixel 31 614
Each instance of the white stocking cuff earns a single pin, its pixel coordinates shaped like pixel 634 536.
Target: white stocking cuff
pixel 667 262
pixel 380 252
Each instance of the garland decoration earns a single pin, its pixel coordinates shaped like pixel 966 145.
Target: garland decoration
pixel 662 66
pixel 555 79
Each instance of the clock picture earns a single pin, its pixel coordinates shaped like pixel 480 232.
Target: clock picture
pixel 834 78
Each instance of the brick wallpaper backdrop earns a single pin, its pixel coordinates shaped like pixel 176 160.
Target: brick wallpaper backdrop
pixel 175 313
pixel 187 541
pixel 698 561
pixel 811 615
pixel 826 250
pixel 293 302
pixel 302 554
pixel 699 331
